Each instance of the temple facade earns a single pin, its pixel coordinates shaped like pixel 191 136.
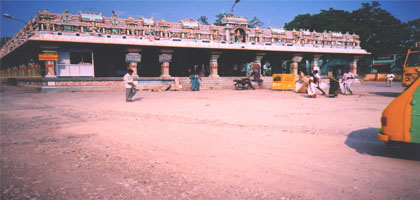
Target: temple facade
pixel 90 45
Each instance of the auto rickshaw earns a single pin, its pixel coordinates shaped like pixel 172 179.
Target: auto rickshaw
pixel 400 120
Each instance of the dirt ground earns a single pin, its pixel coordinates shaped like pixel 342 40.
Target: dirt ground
pixel 215 144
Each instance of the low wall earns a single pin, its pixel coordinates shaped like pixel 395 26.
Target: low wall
pixel 209 83
pixel 379 77
pixel 116 83
pixel 87 84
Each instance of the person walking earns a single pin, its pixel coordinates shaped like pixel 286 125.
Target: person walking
pixel 389 78
pixel 248 69
pixel 195 81
pixel 256 73
pixel 202 71
pixel 348 78
pixel 334 84
pixel 311 90
pixel 317 80
pixel 130 88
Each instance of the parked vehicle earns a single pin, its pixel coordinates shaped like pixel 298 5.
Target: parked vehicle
pixel 411 67
pixel 243 84
pixel 400 120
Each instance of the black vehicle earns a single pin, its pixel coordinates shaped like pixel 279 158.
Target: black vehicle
pixel 243 84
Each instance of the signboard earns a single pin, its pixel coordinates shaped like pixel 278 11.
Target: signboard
pixel 283 82
pixel 297 58
pixel 133 57
pixel 165 58
pixel 47 57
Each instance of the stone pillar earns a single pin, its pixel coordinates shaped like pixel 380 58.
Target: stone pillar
pixel 353 65
pixel 258 59
pixel 214 56
pixel 294 68
pixel 21 70
pixel 50 69
pixel 227 35
pixel 165 58
pixel 133 66
pixel 132 58
pixel 37 70
pixel 50 57
pixel 294 65
pixel 31 69
pixel 314 63
pixel 26 70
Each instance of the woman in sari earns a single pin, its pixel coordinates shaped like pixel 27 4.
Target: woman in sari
pixel 195 81
pixel 334 84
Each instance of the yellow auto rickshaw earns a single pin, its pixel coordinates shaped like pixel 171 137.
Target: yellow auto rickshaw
pixel 400 120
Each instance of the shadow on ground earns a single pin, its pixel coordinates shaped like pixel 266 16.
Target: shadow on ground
pixel 386 94
pixel 364 141
pixel 138 99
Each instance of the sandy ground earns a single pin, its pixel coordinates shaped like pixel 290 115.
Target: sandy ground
pixel 221 144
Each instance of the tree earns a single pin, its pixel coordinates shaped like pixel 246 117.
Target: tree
pixel 3 40
pixel 414 28
pixel 219 18
pixel 255 22
pixel 380 32
pixel 203 20
pixel 331 20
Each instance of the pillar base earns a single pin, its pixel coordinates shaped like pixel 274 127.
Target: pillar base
pixel 165 76
pixel 214 76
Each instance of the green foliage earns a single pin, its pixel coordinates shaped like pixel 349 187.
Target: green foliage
pixel 203 20
pixel 331 20
pixel 255 22
pixel 3 40
pixel 414 31
pixel 380 32
pixel 219 18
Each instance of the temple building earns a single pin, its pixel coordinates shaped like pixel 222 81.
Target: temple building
pixel 89 46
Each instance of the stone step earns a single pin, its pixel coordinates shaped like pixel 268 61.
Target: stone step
pixel 218 83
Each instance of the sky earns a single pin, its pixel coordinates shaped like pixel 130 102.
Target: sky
pixel 274 13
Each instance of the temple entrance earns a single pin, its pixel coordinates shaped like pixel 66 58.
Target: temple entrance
pixel 109 61
pixel 233 63
pixel 149 65
pixel 184 60
pixel 278 62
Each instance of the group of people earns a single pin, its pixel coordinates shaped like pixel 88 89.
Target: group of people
pixel 313 84
pixel 315 80
pixel 252 70
pixel 131 90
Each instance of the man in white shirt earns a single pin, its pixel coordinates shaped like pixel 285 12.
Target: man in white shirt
pixel 389 78
pixel 311 90
pixel 130 88
pixel 317 80
pixel 348 78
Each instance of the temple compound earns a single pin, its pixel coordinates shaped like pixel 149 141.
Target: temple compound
pixel 91 49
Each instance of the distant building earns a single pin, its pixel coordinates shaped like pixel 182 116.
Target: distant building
pixel 91 45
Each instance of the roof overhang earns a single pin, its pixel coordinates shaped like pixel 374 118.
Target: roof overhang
pixel 136 41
